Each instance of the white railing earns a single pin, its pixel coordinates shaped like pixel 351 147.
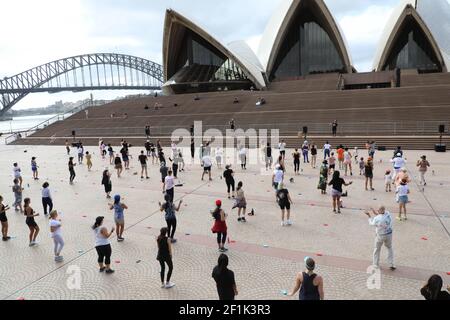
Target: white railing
pixel 59 117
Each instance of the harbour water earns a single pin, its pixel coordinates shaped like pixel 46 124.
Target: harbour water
pixel 23 123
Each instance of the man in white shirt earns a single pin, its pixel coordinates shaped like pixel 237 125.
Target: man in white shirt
pixel 169 185
pixel 277 177
pixel 207 166
pixel 398 163
pixel 382 220
pixel 282 147
pixel 80 153
pixel 326 150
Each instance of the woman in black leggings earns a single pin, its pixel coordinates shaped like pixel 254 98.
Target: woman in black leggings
pixel 102 245
pixel 229 180
pixel 296 156
pixel 165 257
pixel 71 170
pixel 170 216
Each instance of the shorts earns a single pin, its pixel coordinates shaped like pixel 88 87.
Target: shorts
pixel 275 185
pixel 18 200
pixel 207 169
pixel 118 166
pixel 34 169
pixel 332 166
pixel 335 193
pixel 369 176
pixel 143 166
pixel 3 217
pixel 119 221
pixel 403 199
pixel 31 223
pixel 286 205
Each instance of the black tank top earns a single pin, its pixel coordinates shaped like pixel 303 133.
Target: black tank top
pixel 296 156
pixel 309 291
pixel 163 249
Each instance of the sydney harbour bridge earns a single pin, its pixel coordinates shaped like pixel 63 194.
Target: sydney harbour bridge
pixel 98 71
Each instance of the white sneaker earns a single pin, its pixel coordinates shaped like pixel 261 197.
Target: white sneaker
pixel 169 285
pixel 283 223
pixel 289 223
pixel 163 286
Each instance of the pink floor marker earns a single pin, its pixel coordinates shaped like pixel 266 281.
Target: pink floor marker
pixel 319 254
pixel 325 225
pixel 424 238
pixel 149 227
pixel 21 298
pixel 117 261
pixel 84 216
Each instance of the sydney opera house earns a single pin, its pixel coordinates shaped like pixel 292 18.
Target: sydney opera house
pixel 304 72
pixel 302 39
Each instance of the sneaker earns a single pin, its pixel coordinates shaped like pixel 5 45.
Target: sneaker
pixel 163 286
pixel 283 223
pixel 289 223
pixel 243 220
pixel 59 259
pixel 102 269
pixel 239 219
pixel 173 241
pixel 109 271
pixel 399 219
pixel 142 177
pixel 393 268
pixel 169 285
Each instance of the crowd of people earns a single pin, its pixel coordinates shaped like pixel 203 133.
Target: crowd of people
pixel 334 172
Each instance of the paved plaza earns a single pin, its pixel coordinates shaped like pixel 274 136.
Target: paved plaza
pixel 264 256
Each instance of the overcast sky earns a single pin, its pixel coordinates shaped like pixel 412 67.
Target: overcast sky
pixel 35 32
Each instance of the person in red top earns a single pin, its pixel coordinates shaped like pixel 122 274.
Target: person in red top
pixel 220 225
pixel 340 153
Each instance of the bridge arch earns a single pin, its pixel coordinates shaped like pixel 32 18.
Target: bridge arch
pixel 13 89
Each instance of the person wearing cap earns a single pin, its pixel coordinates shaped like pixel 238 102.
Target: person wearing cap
pixel 398 163
pixel 103 245
pixel 382 220
pixel 423 166
pixel 34 168
pixel 220 226
pixel 402 193
pixel 309 283
pixel 55 231
pixel 106 182
pixel 119 217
